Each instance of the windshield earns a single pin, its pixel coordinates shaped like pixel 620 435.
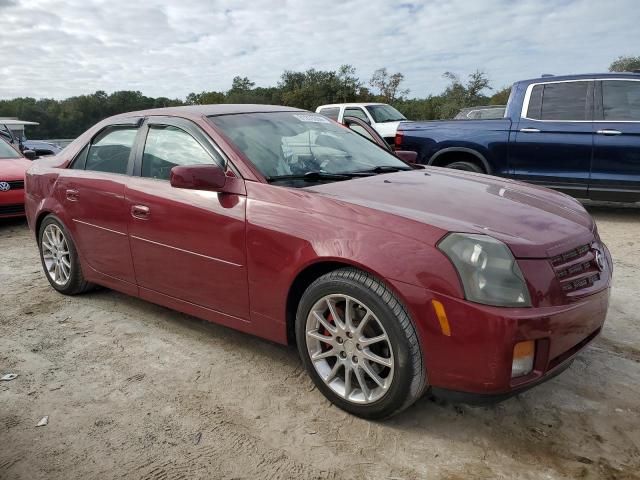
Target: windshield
pixel 7 151
pixel 297 143
pixel 384 113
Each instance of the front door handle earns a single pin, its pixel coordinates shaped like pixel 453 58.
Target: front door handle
pixel 607 131
pixel 72 195
pixel 140 211
pixel 529 130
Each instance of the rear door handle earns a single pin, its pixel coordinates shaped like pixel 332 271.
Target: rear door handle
pixel 140 211
pixel 529 130
pixel 607 131
pixel 72 195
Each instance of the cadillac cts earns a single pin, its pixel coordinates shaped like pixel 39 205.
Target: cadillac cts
pixel 392 280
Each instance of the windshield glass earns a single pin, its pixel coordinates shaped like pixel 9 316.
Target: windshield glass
pixel 296 143
pixel 384 113
pixel 7 151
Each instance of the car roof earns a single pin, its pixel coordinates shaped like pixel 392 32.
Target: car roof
pixel 209 110
pixel 353 104
pixel 581 76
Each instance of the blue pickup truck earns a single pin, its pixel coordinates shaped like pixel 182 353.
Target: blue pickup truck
pixel 579 134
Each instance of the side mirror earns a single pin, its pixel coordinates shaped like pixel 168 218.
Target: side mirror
pixel 406 155
pixel 30 154
pixel 198 177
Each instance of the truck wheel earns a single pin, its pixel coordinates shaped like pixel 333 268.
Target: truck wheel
pixel 359 345
pixel 466 166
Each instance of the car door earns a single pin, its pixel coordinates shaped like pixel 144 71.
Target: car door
pixel 186 244
pixel 92 190
pixel 615 172
pixel 552 141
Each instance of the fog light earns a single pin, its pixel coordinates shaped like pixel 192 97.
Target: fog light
pixel 523 354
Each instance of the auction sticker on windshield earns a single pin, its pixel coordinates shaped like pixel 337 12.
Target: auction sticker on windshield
pixel 312 118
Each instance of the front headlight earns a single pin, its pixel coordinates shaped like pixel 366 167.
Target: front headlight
pixel 489 273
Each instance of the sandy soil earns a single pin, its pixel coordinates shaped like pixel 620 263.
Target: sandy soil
pixel 133 390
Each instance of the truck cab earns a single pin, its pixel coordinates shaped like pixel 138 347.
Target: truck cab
pixel 383 118
pixel 579 134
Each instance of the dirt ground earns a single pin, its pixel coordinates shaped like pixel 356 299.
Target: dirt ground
pixel 133 390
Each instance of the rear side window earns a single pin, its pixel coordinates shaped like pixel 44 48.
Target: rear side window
pixel 332 112
pixel 167 147
pixel 110 150
pixel 621 100
pixel 559 101
pixel 356 112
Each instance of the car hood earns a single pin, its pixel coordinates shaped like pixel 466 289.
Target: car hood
pixel 533 221
pixel 387 129
pixel 13 168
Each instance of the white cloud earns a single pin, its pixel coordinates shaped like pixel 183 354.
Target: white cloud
pixel 58 48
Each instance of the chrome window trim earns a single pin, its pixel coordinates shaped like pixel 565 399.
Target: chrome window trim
pixel 527 98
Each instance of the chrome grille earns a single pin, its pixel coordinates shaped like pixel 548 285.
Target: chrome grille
pixel 576 269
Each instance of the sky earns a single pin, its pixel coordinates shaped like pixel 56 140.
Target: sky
pixel 56 49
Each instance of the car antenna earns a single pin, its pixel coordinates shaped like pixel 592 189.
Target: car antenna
pixel 545 75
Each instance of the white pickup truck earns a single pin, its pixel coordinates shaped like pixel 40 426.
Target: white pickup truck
pixel 382 117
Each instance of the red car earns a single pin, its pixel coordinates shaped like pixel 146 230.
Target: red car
pixel 392 281
pixel 13 166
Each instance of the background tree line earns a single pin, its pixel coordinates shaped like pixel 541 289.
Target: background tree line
pixel 69 117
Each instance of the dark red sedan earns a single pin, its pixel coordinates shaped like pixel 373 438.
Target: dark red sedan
pixel 391 280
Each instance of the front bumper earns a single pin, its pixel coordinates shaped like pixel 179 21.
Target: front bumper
pixel 476 357
pixel 12 203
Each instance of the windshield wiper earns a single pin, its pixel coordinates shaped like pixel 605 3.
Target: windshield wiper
pixel 384 169
pixel 311 176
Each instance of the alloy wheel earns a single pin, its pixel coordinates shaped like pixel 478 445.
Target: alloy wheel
pixel 56 255
pixel 349 348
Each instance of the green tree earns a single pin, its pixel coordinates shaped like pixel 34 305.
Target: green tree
pixel 625 64
pixel 388 85
pixel 500 97
pixel 458 95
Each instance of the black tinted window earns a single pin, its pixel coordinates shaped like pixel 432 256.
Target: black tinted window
pixel 564 101
pixel 621 100
pixel 535 102
pixel 167 147
pixel 110 150
pixel 356 112
pixel 332 112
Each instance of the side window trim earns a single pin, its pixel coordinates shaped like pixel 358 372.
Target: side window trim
pixel 594 97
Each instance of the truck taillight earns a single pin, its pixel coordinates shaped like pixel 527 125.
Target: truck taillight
pixel 398 140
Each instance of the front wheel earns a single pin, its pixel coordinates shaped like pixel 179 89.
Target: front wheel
pixel 359 345
pixel 60 258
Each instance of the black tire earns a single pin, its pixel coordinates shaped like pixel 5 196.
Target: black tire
pixel 75 283
pixel 466 166
pixel 409 378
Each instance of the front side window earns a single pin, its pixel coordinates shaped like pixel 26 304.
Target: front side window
pixel 356 112
pixel 297 143
pixel 167 147
pixel 621 100
pixel 110 150
pixel 559 101
pixel 331 112
pixel 384 113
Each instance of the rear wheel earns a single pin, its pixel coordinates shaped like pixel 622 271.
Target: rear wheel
pixel 359 345
pixel 60 258
pixel 466 166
